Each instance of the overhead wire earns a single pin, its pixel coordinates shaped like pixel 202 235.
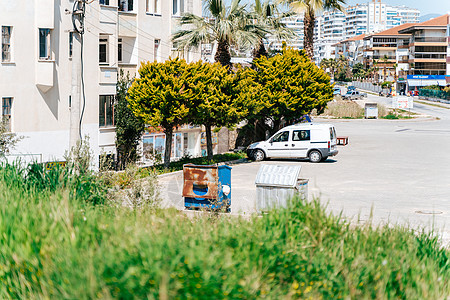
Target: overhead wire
pixel 125 43
pixel 144 34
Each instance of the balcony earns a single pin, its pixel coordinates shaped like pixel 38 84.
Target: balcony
pixel 127 24
pixel 430 40
pixel 375 56
pixel 45 70
pixel 44 13
pixel 108 75
pixel 430 55
pixel 403 59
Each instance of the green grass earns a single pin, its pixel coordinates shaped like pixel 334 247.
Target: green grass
pixel 56 245
pixel 394 116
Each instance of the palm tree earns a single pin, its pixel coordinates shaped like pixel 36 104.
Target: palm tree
pixel 331 64
pixel 385 60
pixel 225 25
pixel 310 8
pixel 266 14
pixel 375 70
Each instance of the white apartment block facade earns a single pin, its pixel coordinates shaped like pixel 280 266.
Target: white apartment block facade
pixel 36 66
pixel 335 26
pixel 360 19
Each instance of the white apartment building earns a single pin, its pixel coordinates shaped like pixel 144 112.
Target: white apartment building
pixel 330 31
pixel 295 23
pixel 333 26
pixel 356 20
pixel 376 16
pixel 367 18
pixel 36 67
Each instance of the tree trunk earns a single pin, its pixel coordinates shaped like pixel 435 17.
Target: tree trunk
pixel 168 149
pixel 308 30
pixel 209 147
pixel 223 55
pixel 259 50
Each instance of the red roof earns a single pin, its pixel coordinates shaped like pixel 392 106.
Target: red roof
pixel 395 30
pixel 438 21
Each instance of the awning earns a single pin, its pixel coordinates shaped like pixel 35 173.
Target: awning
pixel 426 82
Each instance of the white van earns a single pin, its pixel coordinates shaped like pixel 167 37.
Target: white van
pixel 306 140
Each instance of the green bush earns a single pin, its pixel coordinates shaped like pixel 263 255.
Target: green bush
pixel 386 84
pixel 53 246
pixel 36 178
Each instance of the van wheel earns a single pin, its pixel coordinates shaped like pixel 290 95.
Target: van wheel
pixel 258 155
pixel 315 156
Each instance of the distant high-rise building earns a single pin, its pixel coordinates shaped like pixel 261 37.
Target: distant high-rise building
pixel 376 16
pixel 335 26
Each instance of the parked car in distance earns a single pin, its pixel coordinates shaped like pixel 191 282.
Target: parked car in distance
pixel 336 91
pixel 351 88
pixel 352 95
pixel 306 140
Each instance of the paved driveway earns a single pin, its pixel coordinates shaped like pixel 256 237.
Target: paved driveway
pixel 398 171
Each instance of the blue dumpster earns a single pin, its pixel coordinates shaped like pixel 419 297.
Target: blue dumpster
pixel 207 187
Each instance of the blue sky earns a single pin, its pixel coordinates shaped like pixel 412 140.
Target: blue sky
pixel 425 6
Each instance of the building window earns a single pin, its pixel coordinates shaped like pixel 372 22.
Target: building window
pixel 6 43
pixel 70 44
pixel 104 2
pixel 126 5
pixel 154 6
pixel 6 112
pixel 119 50
pixel 156 50
pixel 103 51
pixel 178 7
pixel 106 110
pixel 44 44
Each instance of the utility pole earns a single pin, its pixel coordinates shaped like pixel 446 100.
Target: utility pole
pixel 78 14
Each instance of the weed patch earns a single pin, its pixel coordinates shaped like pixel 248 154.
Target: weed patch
pixel 54 246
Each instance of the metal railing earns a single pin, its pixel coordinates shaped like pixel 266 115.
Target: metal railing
pixel 383 56
pixel 430 55
pixel 430 39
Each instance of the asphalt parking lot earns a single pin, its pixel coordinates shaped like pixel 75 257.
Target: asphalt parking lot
pixel 397 171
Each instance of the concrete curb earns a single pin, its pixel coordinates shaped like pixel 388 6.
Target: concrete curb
pixel 169 174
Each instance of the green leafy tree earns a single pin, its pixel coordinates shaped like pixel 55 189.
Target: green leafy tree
pixel 359 71
pixel 129 128
pixel 283 88
pixel 160 99
pixel 225 25
pixel 310 8
pixel 213 101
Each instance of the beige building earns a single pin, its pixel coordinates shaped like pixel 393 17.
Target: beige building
pixel 36 66
pixel 385 53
